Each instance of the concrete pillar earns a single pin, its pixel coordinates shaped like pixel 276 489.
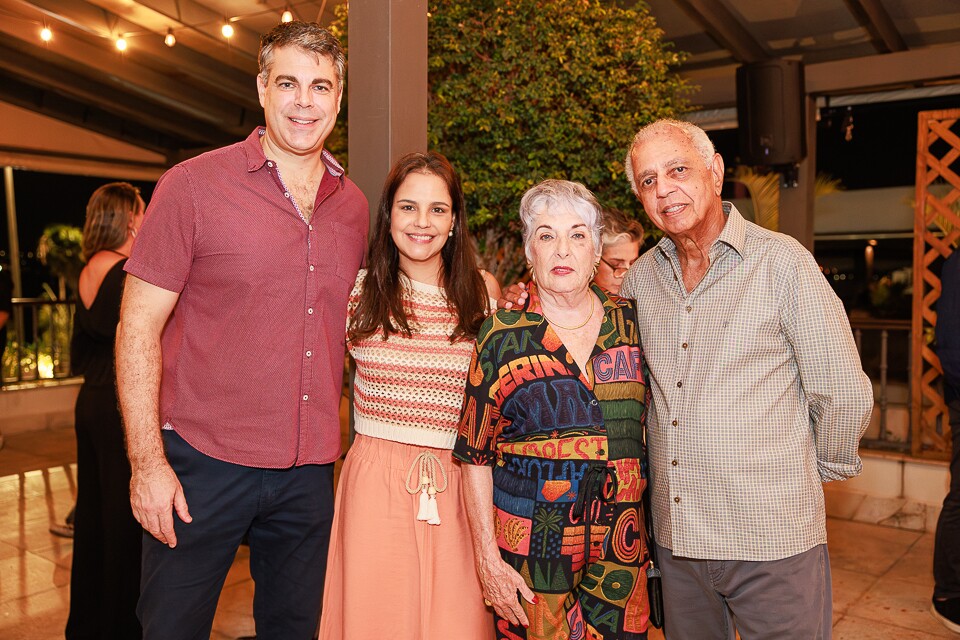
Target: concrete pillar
pixel 387 84
pixel 14 238
pixel 796 202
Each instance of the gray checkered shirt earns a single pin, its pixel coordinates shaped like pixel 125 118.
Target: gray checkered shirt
pixel 758 395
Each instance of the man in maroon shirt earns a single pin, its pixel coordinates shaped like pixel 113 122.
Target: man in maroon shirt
pixel 230 354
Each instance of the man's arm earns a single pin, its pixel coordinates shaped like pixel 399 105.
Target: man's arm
pixel 838 392
pixel 154 488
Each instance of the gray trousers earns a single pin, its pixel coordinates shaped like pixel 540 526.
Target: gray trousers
pixel 784 599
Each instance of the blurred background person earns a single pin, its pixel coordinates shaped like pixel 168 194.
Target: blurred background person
pixel 622 241
pixel 946 550
pixel 105 577
pixel 400 539
pixel 551 440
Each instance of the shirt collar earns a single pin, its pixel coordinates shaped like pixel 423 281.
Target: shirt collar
pixel 256 158
pixel 734 233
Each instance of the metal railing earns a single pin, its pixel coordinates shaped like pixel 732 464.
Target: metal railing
pixel 38 341
pixel 38 349
pixel 884 346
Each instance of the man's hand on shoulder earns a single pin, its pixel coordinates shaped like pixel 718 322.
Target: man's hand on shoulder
pixel 514 295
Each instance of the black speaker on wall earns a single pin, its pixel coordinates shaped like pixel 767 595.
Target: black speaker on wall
pixel 770 112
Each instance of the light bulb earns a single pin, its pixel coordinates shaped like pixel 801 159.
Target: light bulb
pixel 121 44
pixel 46 35
pixel 169 39
pixel 227 30
pixel 287 16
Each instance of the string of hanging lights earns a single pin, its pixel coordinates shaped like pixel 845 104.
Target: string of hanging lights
pixel 121 40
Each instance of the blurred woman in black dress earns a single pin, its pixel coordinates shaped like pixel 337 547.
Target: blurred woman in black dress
pixel 105 579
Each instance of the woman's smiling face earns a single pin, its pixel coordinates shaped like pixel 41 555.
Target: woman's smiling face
pixel 420 220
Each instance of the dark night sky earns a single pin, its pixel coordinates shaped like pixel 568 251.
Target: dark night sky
pixel 882 153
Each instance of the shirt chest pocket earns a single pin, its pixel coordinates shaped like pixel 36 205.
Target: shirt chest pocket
pixel 349 246
pixel 752 331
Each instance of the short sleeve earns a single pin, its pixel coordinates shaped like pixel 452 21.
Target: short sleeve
pixel 354 299
pixel 164 251
pixel 479 421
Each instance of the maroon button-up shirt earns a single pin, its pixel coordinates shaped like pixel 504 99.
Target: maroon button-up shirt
pixel 253 351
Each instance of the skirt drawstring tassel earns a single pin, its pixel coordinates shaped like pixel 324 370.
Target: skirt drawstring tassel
pixel 426 465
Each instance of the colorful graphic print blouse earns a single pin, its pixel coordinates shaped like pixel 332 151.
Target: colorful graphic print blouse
pixel 545 426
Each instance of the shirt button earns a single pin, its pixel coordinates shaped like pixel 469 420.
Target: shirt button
pixel 306 397
pixel 310 310
pixel 689 309
pixel 684 345
pixel 679 384
pixel 674 463
pixel 286 194
pixel 593 402
pixel 677 499
pixel 309 353
pixel 674 423
pixel 311 267
pixel 310 226
pixel 270 164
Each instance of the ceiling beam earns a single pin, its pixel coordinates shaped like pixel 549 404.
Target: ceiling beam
pixel 905 68
pixel 195 23
pixel 147 47
pixel 84 115
pixel 855 75
pixel 20 63
pixel 872 15
pixel 96 61
pixel 722 25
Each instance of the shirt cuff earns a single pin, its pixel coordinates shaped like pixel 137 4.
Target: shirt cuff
pixel 830 471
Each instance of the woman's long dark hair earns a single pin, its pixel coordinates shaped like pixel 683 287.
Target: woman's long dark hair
pixel 381 307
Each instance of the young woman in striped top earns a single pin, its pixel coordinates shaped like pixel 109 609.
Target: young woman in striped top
pixel 401 561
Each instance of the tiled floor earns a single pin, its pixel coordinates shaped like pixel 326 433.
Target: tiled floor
pixel 881 576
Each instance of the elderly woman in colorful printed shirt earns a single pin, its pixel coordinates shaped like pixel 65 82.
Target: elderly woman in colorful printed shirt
pixel 551 435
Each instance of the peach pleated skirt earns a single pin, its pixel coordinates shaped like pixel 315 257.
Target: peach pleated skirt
pixel 388 574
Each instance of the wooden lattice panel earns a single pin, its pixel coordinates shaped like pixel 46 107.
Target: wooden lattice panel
pixel 936 234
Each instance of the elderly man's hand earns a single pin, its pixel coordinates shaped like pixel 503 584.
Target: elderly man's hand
pixel 515 294
pixel 500 586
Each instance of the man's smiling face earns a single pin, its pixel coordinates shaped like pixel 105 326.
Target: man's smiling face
pixel 301 100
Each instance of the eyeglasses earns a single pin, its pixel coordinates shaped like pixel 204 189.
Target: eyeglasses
pixel 618 272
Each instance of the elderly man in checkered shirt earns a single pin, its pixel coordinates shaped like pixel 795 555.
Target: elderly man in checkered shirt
pixel 758 399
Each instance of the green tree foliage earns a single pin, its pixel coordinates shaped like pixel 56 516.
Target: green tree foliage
pixel 60 249
pixel 523 90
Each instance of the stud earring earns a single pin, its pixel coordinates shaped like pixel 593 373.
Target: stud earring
pixel 451 233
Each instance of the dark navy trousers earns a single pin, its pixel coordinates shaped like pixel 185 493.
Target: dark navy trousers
pixel 946 550
pixel 287 515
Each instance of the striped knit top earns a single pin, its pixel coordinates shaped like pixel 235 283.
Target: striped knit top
pixel 410 390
